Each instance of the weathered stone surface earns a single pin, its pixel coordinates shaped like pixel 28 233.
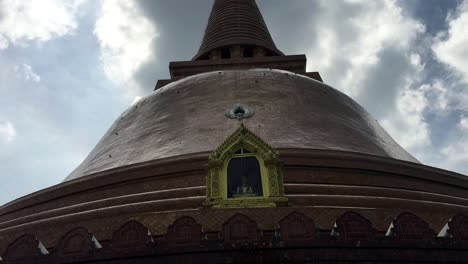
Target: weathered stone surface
pixel 187 116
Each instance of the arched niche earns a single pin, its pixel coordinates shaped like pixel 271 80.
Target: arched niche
pixel 240 229
pixel 24 248
pixel 353 226
pixel 131 236
pixel 77 243
pixel 258 184
pixel 184 231
pixel 297 227
pixel 408 226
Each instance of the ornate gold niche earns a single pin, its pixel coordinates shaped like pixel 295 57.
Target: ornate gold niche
pixel 270 169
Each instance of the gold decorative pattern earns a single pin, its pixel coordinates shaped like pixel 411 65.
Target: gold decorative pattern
pixel 270 166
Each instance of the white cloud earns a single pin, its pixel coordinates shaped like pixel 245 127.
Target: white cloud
pixel 7 131
pixel 125 36
pixel 451 47
pixel 349 47
pixel 3 42
pixel 27 73
pixel 370 54
pixel 407 124
pixel 456 153
pixel 463 125
pixel 26 20
pixel 439 96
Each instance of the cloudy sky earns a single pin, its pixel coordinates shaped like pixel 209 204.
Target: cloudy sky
pixel 68 68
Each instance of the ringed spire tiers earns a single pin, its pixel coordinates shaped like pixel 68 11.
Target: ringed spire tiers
pixel 236 23
pixel 237 38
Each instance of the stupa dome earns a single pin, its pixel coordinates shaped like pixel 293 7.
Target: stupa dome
pixel 291 111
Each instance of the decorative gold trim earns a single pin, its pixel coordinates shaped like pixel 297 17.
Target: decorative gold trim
pixel 270 166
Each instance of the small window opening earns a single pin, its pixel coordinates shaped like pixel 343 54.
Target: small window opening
pixel 225 53
pixel 244 178
pixel 248 52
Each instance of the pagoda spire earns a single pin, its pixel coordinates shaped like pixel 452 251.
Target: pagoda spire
pixel 234 24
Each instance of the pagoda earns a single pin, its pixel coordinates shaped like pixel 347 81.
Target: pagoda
pixel 242 156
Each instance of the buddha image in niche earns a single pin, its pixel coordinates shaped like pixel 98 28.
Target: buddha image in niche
pixel 244 177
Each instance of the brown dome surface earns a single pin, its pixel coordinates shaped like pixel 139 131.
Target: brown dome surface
pixel 188 116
